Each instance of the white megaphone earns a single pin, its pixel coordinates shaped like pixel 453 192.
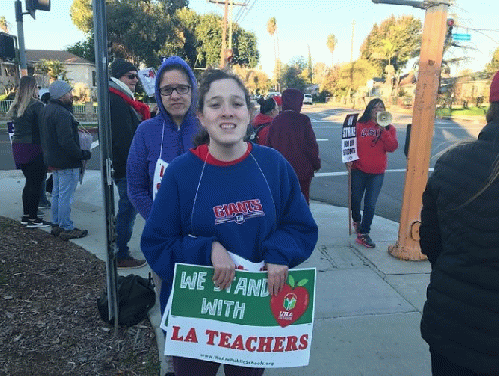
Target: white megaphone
pixel 384 118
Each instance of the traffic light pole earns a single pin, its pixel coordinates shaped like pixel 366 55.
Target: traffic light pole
pixel 20 38
pixel 101 63
pixel 423 119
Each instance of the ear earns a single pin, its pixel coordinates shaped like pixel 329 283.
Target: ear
pixel 200 116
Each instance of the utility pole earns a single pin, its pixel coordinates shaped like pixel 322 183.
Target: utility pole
pixel 223 51
pixel 423 118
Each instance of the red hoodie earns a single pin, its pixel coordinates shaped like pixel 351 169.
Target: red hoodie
pixel 292 135
pixel 372 145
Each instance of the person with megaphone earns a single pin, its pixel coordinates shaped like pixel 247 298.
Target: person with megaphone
pixel 375 137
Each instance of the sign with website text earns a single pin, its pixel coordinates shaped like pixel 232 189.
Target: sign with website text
pixel 242 325
pixel 349 139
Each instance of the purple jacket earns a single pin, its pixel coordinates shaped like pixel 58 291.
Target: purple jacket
pixel 146 145
pixel 292 135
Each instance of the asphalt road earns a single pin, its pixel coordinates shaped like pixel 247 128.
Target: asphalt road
pixel 330 183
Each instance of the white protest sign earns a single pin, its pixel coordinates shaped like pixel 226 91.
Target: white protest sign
pixel 349 139
pixel 147 77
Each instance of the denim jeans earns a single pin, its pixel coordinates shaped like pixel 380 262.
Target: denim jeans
pixel 62 196
pixel 125 219
pixel 367 186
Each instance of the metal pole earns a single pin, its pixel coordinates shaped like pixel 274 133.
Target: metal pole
pixel 105 142
pixel 430 63
pixel 20 38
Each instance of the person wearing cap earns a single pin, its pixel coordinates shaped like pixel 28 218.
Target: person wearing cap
pixel 459 233
pixel 63 156
pixel 126 114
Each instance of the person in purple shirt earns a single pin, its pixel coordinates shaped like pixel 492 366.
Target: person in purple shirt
pixel 27 149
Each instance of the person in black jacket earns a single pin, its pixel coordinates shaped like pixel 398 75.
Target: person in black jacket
pixel 460 235
pixel 126 114
pixel 27 149
pixel 63 156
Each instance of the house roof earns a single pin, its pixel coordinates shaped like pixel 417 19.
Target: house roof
pixel 65 57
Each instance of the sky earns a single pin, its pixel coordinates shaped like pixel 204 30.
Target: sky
pixel 301 24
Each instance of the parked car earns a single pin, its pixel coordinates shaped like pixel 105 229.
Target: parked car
pixel 307 99
pixel 272 94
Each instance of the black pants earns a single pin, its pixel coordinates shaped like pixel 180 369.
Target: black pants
pixel 441 366
pixel 35 172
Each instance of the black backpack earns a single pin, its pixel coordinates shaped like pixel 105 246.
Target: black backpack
pixel 136 297
pixel 255 132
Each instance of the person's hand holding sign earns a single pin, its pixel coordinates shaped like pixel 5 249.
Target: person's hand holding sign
pixel 277 276
pixel 224 266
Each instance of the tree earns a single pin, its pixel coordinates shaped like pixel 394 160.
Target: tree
pixel 492 67
pixel 332 41
pixel 350 77
pixel 394 42
pixel 292 78
pixel 84 49
pixel 320 73
pixel 52 68
pixel 255 80
pixel 137 29
pixel 3 24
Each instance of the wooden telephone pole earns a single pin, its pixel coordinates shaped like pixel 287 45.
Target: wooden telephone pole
pixel 423 118
pixel 225 3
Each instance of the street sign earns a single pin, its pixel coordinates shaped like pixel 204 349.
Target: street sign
pixel 464 37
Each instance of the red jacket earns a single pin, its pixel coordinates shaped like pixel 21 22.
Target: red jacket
pixel 292 135
pixel 373 143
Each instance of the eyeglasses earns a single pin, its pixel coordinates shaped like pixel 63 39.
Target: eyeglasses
pixel 131 76
pixel 180 89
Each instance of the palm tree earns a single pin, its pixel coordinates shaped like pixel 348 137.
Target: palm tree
pixel 272 30
pixel 332 41
pixel 54 69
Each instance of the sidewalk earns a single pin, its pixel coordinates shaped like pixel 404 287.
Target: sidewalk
pixel 368 304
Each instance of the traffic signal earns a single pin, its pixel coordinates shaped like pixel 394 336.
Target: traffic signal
pixel 7 50
pixel 450 25
pixel 33 5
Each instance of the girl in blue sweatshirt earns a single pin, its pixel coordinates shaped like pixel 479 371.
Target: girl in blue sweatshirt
pixel 227 203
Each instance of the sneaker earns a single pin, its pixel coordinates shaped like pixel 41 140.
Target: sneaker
pixel 56 230
pixel 356 226
pixel 24 220
pixel 38 222
pixel 130 263
pixel 72 234
pixel 365 240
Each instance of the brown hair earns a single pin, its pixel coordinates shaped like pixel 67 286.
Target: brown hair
pixel 24 94
pixel 209 76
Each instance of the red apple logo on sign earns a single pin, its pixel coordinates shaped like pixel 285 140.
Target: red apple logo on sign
pixel 291 303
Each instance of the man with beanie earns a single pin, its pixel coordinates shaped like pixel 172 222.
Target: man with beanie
pixel 63 156
pixel 126 114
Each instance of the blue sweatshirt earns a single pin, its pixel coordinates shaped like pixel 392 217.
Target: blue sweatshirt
pixel 252 206
pixel 150 143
